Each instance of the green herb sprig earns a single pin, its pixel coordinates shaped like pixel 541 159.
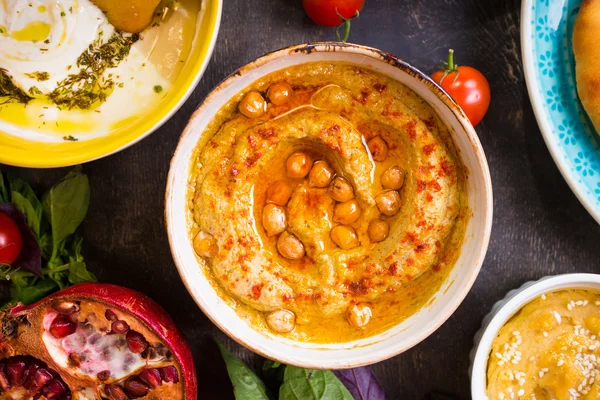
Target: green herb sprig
pixel 294 383
pixel 53 221
pixel 9 92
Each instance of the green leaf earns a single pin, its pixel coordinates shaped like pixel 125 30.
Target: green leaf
pixel 75 253
pixel 46 245
pixel 19 185
pixel 33 216
pixel 3 191
pixel 312 384
pixel 65 206
pixel 270 364
pixel 31 294
pixel 78 273
pixel 246 384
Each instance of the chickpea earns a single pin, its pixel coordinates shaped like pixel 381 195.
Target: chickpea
pixel 274 220
pixel 279 193
pixel 341 190
pixel 280 92
pixel 290 246
pixel 205 245
pixel 359 315
pixel 378 148
pixel 378 230
pixel 298 165
pixel 320 175
pixel 347 212
pixel 252 105
pixel 281 321
pixel 388 202
pixel 393 178
pixel 344 236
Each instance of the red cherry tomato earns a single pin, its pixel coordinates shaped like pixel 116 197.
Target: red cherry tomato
pixel 467 86
pixel 10 240
pixel 325 12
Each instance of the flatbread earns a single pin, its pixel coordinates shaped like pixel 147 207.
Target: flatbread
pixel 586 47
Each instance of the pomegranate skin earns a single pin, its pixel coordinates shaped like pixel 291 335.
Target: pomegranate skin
pixel 143 308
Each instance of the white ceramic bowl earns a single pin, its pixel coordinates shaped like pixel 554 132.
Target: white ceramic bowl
pixel 397 339
pixel 504 309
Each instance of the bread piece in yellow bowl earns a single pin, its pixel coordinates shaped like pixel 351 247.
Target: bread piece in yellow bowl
pixel 586 48
pixel 74 87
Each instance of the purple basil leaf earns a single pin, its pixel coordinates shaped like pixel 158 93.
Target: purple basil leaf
pixel 361 383
pixel 30 259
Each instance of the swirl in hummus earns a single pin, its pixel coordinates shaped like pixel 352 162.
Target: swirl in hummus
pixel 327 192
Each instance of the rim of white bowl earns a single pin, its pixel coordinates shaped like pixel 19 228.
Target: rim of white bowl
pixel 513 302
pixel 544 120
pixel 260 342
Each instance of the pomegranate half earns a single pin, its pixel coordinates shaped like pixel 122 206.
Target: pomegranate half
pixel 94 341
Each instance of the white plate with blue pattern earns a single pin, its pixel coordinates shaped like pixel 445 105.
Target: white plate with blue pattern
pixel 546 32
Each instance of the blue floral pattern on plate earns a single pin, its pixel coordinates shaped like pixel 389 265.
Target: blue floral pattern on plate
pixel 547 28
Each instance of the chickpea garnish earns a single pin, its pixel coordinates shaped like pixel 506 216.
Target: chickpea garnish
pixel 274 220
pixel 205 245
pixel 252 105
pixel 320 175
pixel 344 236
pixel 290 246
pixel 393 178
pixel 281 321
pixel 280 92
pixel 341 190
pixel 298 165
pixel 279 193
pixel 388 202
pixel 378 148
pixel 378 230
pixel 347 212
pixel 359 315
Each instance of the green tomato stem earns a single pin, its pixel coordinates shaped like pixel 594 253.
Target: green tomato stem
pixel 346 22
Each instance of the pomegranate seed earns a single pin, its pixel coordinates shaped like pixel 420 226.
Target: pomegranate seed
pixel 115 392
pixel 169 374
pixel 135 387
pixel 103 375
pixel 151 377
pixel 54 389
pixel 4 384
pixel 62 326
pixel 41 377
pixel 65 307
pixel 15 369
pixel 119 326
pixel 136 342
pixel 110 315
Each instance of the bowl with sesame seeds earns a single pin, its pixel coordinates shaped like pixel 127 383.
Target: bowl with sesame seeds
pixel 542 341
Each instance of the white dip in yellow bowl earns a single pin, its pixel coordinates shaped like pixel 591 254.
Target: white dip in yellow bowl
pixel 73 88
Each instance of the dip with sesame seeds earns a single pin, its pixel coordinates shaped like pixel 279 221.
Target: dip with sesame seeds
pixel 328 202
pixel 550 350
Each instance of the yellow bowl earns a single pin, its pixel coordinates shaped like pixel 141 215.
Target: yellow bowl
pixel 27 153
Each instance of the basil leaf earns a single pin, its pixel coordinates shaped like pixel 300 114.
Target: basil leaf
pixel 270 364
pixel 65 206
pixel 20 186
pixel 33 293
pixel 33 216
pixel 312 384
pixel 246 384
pixel 46 245
pixel 361 383
pixel 76 249
pixel 3 191
pixel 78 273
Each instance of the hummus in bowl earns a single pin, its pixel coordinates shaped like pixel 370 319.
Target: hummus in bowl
pixel 82 79
pixel 326 203
pixel 541 342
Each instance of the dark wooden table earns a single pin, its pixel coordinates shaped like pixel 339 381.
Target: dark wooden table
pixel 540 228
